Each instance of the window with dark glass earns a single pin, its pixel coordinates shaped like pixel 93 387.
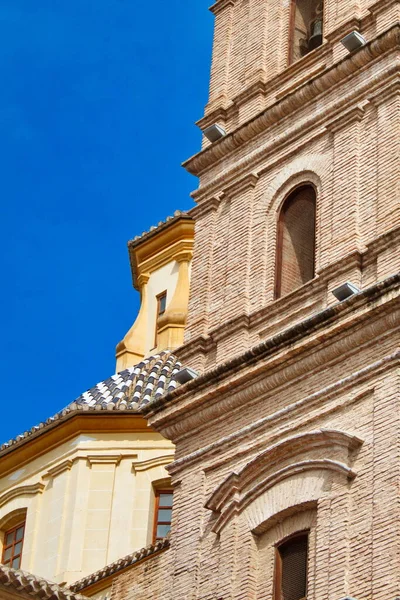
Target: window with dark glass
pixel 306 29
pixel 161 303
pixel 296 241
pixel 291 568
pixel 163 512
pixel 12 546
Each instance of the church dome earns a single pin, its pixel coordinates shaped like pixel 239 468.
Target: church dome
pixel 130 390
pixel 134 387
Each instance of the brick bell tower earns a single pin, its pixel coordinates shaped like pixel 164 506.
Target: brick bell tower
pixel 287 470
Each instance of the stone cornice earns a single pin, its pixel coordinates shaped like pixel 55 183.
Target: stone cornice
pixel 307 130
pixel 245 374
pixel 349 65
pixel 151 463
pixel 221 5
pixel 24 490
pixel 248 432
pixel 66 465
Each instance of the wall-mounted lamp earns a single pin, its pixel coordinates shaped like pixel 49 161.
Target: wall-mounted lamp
pixel 344 291
pixel 353 41
pixel 214 132
pixel 186 374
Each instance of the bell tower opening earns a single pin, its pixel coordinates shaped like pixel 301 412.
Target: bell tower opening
pixel 306 27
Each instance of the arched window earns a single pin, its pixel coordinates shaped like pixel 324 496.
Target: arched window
pixel 296 241
pixel 291 557
pixel 306 27
pixel 12 530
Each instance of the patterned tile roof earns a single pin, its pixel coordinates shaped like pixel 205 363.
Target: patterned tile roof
pixel 130 389
pixel 120 564
pixel 20 582
pixel 135 387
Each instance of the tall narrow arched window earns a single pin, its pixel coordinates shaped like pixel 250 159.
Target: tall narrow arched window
pixel 291 568
pixel 296 241
pixel 306 28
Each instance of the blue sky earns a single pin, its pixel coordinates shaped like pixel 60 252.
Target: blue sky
pixel 97 111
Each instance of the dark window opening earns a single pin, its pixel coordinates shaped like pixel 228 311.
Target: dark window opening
pixel 161 303
pixel 291 568
pixel 306 27
pixel 296 241
pixel 161 306
pixel 12 546
pixel 162 514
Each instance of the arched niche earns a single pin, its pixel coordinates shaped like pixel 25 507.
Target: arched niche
pixel 295 249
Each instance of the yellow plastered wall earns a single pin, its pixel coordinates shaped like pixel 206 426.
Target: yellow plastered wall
pixel 161 262
pixel 89 501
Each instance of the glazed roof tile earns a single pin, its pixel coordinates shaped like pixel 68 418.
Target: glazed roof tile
pixel 31 585
pixel 120 564
pixel 129 390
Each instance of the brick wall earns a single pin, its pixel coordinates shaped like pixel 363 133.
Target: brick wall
pixel 329 125
pixel 147 580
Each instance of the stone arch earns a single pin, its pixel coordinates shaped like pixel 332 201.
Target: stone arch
pixel 293 471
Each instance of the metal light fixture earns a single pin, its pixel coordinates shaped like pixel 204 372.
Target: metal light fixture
pixel 344 291
pixel 214 132
pixel 353 41
pixel 186 374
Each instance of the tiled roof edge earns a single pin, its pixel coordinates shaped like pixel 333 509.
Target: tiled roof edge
pixel 155 229
pixel 120 564
pixel 32 585
pixel 55 420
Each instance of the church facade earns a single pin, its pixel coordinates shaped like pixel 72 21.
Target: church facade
pixel 264 397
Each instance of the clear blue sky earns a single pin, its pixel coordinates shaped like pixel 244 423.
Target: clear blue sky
pixel 97 109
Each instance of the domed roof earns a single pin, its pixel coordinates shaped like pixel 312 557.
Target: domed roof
pixel 130 389
pixel 134 387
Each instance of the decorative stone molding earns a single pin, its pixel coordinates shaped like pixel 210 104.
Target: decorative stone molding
pixel 289 447
pixel 105 459
pixel 238 490
pixel 241 185
pixel 221 5
pixel 241 501
pixel 58 469
pixel 151 463
pixel 209 205
pixel 24 490
pixel 354 115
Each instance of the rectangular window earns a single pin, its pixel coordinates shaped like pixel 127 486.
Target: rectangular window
pixel 291 568
pixel 161 303
pixel 161 306
pixel 162 515
pixel 12 547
